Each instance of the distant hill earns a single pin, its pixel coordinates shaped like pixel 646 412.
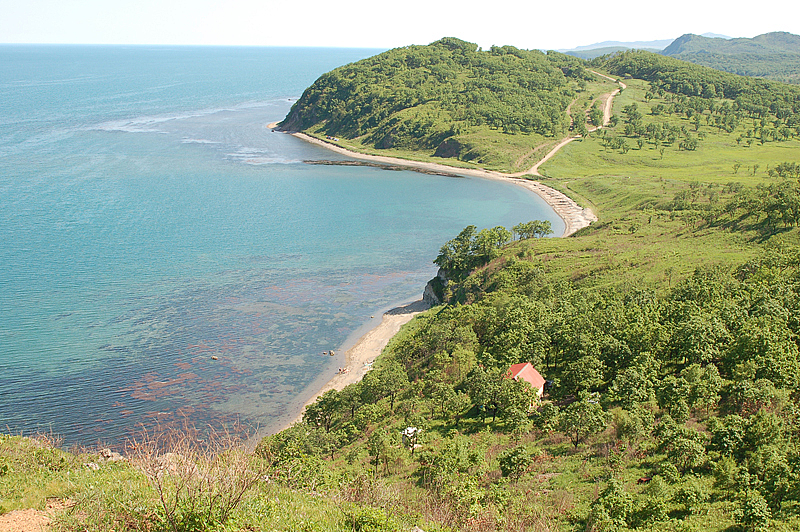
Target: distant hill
pixel 591 51
pixel 597 52
pixel 772 55
pixel 448 97
pixel 655 44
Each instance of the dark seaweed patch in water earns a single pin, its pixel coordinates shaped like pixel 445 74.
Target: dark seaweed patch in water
pixel 264 336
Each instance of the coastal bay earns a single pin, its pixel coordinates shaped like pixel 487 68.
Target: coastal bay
pixel 573 215
pixel 167 258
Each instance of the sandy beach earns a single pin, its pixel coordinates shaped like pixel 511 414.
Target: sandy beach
pixel 359 358
pixel 575 217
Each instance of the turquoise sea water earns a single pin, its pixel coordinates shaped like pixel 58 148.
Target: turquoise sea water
pixel 149 221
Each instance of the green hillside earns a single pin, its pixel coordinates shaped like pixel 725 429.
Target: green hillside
pixel 450 100
pixel 597 52
pixel 773 56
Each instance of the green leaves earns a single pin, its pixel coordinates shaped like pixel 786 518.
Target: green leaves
pixel 470 250
pixel 415 97
pixel 583 418
pixel 533 229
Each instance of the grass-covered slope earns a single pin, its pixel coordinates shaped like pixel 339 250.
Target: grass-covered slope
pixel 684 122
pixel 773 56
pixel 448 98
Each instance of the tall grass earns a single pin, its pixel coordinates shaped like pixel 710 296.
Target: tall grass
pixel 199 478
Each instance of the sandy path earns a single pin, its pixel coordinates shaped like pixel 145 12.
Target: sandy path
pixel 30 520
pixel 610 99
pixel 609 102
pixel 359 358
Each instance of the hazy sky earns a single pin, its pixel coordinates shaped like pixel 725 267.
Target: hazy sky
pixel 550 24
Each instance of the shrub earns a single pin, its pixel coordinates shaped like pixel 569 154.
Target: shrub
pixel 199 478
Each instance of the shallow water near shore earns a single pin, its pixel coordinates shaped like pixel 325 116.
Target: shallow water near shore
pixel 150 221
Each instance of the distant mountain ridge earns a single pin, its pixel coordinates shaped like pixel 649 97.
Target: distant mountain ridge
pixel 773 55
pixel 591 51
pixel 659 44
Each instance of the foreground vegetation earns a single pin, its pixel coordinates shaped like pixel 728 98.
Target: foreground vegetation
pixel 668 331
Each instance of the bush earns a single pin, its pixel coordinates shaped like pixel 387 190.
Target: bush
pixel 691 495
pixel 517 461
pixel 367 519
pixel 199 478
pixel 752 512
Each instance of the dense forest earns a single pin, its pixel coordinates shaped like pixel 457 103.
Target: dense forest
pixel 773 56
pixel 672 364
pixel 418 97
pixel 756 97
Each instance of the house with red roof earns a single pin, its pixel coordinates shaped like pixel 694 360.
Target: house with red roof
pixel 526 372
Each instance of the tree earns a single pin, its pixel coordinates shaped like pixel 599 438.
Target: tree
pixel 673 396
pixel 691 494
pixel 596 115
pixel 612 508
pixel 484 390
pixel 516 399
pixel 516 461
pixel 705 384
pixel 470 250
pixel 684 446
pixel 455 255
pixel 583 374
pixel 533 229
pixel 350 398
pixel 454 458
pixel 583 418
pixel 393 378
pixel 752 512
pixel 322 411
pixel 487 244
pixel 442 395
pixel 379 444
pixel 635 384
pixel 580 125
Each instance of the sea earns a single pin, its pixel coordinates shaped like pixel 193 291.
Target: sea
pixel 166 258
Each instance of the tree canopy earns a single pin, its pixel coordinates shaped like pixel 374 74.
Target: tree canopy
pixel 416 97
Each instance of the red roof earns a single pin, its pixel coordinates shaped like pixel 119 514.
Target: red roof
pixel 525 371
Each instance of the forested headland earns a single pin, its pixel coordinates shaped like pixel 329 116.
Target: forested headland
pixel 448 99
pixel 667 331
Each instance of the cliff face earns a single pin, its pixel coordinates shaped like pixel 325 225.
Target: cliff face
pixel 293 121
pixel 434 290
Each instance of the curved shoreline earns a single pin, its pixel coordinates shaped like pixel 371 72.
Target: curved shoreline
pixel 359 358
pixel 575 217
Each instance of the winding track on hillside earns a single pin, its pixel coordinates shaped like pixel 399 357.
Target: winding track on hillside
pixel 534 170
